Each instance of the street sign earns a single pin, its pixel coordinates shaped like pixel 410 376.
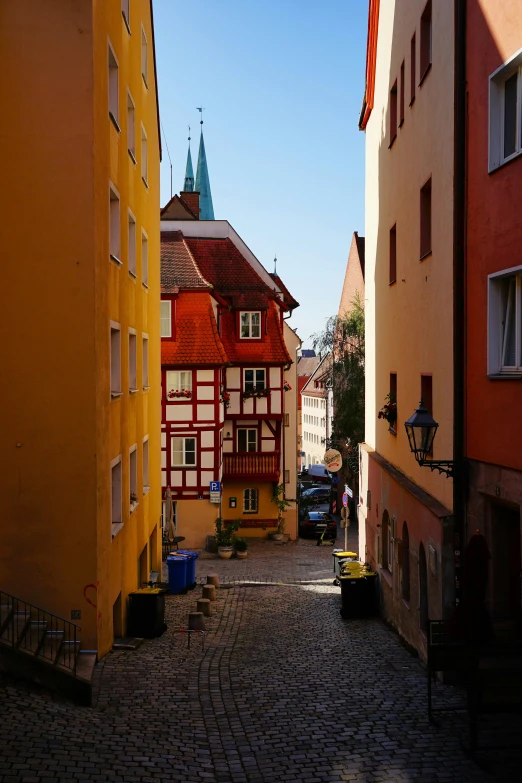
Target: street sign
pixel 333 460
pixel 345 500
pixel 215 492
pixel 215 486
pixel 348 491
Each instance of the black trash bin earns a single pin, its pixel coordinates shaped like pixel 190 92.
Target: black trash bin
pixel 358 592
pixel 146 616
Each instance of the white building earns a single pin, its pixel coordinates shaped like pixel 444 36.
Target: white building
pixel 317 413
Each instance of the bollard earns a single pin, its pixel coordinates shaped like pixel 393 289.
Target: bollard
pixel 209 591
pixel 196 621
pixel 205 607
pixel 213 579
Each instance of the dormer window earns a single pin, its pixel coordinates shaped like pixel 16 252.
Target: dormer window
pixel 250 325
pixel 166 321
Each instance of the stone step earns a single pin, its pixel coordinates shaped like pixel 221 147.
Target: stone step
pixel 15 627
pixel 85 663
pixel 51 645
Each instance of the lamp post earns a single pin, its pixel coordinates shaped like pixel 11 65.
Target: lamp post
pixel 421 429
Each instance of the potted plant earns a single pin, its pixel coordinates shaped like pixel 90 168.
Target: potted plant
pixel 225 530
pixel 241 547
pixel 388 412
pixel 282 504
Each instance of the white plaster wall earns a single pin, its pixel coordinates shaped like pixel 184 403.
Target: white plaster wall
pixel 205 412
pixel 178 412
pixel 233 378
pixel 261 405
pixel 207 459
pixel 275 378
pixel 207 439
pixel 205 392
pixel 205 376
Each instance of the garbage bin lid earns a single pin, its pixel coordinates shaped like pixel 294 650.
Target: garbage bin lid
pixel 148 591
pixel 345 554
pixel 188 553
pixel 174 556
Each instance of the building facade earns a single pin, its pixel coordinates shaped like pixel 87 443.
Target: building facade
pixel 317 412
pixel 80 469
pixel 405 511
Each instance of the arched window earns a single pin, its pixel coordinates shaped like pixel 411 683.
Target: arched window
pixel 423 590
pixel 385 539
pixel 405 564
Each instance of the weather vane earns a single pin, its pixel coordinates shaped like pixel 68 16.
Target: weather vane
pixel 188 126
pixel 201 110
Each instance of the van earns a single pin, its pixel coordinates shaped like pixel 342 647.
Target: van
pixel 319 473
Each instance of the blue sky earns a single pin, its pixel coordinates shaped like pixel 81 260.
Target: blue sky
pixel 282 83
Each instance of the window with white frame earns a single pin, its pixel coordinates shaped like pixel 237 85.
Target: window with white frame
pixel 115 360
pixel 131 127
pixel 247 440
pixel 144 57
pixel 178 384
pixel 133 379
pixel 144 258
pixel 165 316
pixel 505 112
pixel 250 325
pixel 255 379
pixel 145 361
pixel 116 505
pixel 114 224
pixel 125 11
pixel 144 156
pixel 184 452
pixel 250 501
pixel 113 87
pixel 133 476
pixel 131 238
pixel 145 466
pixel 505 322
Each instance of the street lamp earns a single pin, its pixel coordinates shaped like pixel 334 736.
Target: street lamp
pixel 421 429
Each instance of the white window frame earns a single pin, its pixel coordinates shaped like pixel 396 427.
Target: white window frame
pixel 115 359
pixel 497 81
pixel 495 324
pixel 113 86
pixel 248 430
pixel 131 127
pixel 133 477
pixel 144 151
pixel 125 12
pixel 144 258
pixel 144 57
pixel 145 361
pixel 131 243
pixel 254 370
pixel 164 320
pixel 174 381
pixel 183 451
pixel 145 466
pixel 114 225
pixel 249 314
pixel 116 495
pixel 133 361
pixel 250 498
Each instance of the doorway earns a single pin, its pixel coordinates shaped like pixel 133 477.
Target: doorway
pixel 423 590
pixel 505 565
pixel 117 618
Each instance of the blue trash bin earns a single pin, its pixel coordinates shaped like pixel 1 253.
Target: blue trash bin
pixel 177 565
pixel 191 566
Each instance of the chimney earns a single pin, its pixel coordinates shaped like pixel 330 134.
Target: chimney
pixel 191 199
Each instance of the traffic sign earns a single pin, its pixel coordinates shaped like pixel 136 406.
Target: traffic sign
pixel 215 486
pixel 345 499
pixel 215 492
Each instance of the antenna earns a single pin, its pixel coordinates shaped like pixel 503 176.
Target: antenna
pixel 168 153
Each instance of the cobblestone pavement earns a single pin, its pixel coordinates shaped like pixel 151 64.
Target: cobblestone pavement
pixel 284 690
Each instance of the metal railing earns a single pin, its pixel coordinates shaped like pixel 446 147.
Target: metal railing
pixel 254 463
pixel 38 632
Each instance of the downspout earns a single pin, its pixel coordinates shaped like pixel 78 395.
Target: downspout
pixel 459 292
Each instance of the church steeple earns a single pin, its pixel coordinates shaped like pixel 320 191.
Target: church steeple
pixel 188 187
pixel 203 181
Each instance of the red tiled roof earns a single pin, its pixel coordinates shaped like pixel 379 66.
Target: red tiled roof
pixel 221 263
pixel 270 350
pixel 178 269
pixel 197 340
pixel 288 298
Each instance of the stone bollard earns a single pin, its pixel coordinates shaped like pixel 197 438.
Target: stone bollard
pixel 213 579
pixel 196 621
pixel 209 591
pixel 205 607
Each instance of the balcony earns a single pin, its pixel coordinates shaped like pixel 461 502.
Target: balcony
pixel 258 465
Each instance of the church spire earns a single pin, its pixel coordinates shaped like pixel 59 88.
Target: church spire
pixel 188 187
pixel 203 181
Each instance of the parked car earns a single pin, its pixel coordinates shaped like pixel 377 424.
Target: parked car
pixel 319 473
pixel 315 522
pixel 317 494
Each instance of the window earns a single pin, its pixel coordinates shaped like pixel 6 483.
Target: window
pixel 115 360
pixel 393 254
pixel 165 315
pixel 387 541
pixel 413 55
pixel 145 361
pixel 250 325
pixel 250 501
pixel 246 440
pixel 133 381
pixel 393 398
pixel 505 322
pixel 114 225
pixel 113 88
pixel 131 127
pixel 401 97
pixel 505 112
pixel 125 12
pixel 255 379
pixel 116 505
pixel 425 219
pixel 425 41
pixel 132 243
pixel 184 452
pixel 178 384
pixel 393 112
pixel 144 156
pixel 427 393
pixel 405 563
pixel 133 477
pixel 145 466
pixel 287 477
pixel 144 259
pixel 144 57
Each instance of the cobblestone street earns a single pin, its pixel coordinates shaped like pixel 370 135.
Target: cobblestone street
pixel 285 690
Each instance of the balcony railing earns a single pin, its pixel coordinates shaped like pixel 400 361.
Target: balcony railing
pixel 255 465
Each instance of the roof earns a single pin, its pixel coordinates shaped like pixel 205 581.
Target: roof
pixel 178 269
pixel 360 242
pixel 371 59
pixel 270 350
pixel 203 182
pixel 177 209
pixel 306 365
pixel 322 370
pixel 197 340
pixel 288 298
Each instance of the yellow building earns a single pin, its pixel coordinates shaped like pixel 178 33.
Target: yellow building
pixel 80 479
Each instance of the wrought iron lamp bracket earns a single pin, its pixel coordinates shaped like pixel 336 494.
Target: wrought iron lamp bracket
pixel 445 466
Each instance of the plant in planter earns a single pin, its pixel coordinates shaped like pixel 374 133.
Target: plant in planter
pixel 225 530
pixel 224 397
pixel 282 504
pixel 175 393
pixel 256 391
pixel 241 547
pixel 286 386
pixel 388 412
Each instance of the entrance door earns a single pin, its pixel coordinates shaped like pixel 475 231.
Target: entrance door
pixel 423 590
pixel 506 564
